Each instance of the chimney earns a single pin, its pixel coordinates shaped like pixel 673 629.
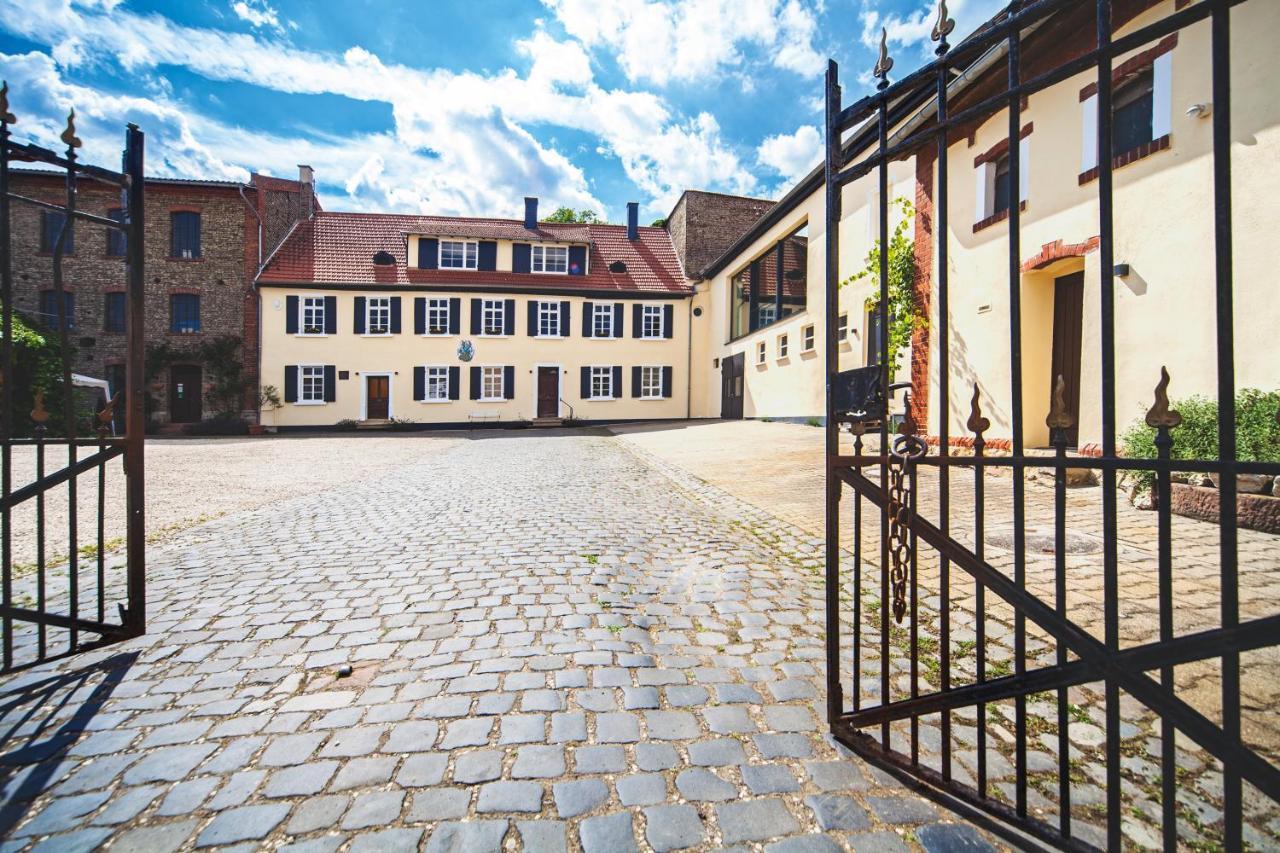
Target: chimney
pixel 633 220
pixel 531 213
pixel 307 184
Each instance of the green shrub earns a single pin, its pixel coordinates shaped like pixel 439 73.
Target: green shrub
pixel 1257 432
pixel 346 424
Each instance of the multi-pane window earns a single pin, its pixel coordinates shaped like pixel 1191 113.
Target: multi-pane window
pixel 874 336
pixel 458 254
pixel 806 338
pixel 842 327
pixel 313 315
pixel 549 319
pixel 184 313
pixel 184 234
pixel 602 320
pixel 437 387
pixel 1132 113
pixel 491 387
pixel 771 287
pixel 767 313
pixel 493 317
pixel 113 313
pixel 378 315
pixel 49 308
pixel 762 354
pixel 651 321
pixel 50 226
pixel 550 259
pixel 601 382
pixel 117 242
pixel 437 316
pixel 311 384
pixel 783 346
pixel 650 382
pixel 1001 195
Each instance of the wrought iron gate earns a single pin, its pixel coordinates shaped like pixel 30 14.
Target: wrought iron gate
pixel 42 615
pixel 908 687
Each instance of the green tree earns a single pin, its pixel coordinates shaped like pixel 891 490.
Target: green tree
pixel 37 365
pixel 567 214
pixel 904 314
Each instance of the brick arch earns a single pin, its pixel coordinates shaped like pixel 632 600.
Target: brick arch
pixel 1056 251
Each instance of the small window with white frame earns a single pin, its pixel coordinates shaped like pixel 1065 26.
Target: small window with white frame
pixel 378 315
pixel 602 320
pixel 650 383
pixel 491 385
pixel 807 338
pixel 549 320
pixel 311 384
pixel 436 389
pixel 762 354
pixel 550 259
pixel 842 328
pixel 601 383
pixel 312 309
pixel 768 313
pixel 437 316
pixel 459 254
pixel 493 317
pixel 784 346
pixel 651 321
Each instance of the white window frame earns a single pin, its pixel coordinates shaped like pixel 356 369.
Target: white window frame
pixel 1161 112
pixel 317 375
pixel 364 392
pixel 382 305
pixel 549 311
pixel 652 314
pixel 493 307
pixel 440 374
pixel 808 338
pixel 771 308
pixel 605 376
pixel 605 309
pixel 470 255
pixel 651 382
pixel 784 347
pixel 539 255
pixel 487 371
pixel 762 353
pixel 842 328
pixel 319 311
pixel 439 307
pixel 984 205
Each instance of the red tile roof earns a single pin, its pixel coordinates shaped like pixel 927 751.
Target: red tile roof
pixel 338 248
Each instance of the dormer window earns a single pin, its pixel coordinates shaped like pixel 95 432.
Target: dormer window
pixel 550 259
pixel 459 254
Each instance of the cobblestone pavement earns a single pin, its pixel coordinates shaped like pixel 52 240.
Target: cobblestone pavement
pixel 555 645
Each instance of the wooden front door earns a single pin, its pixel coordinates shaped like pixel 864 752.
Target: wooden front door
pixel 186 393
pixel 548 392
pixel 1068 308
pixel 731 381
pixel 377 397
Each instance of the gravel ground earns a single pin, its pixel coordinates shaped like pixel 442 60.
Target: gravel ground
pixel 193 480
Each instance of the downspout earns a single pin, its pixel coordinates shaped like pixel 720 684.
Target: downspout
pixel 688 370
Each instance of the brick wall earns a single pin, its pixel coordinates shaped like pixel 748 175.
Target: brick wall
pixel 704 225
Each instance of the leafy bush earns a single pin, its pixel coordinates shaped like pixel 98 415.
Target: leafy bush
pixel 1257 432
pixel 224 424
pixel 403 424
pixel 345 425
pixel 37 363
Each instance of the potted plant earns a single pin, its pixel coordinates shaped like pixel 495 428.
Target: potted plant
pixel 268 401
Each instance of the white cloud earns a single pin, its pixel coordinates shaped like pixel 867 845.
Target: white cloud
pixel 556 61
pixel 258 14
pixel 792 155
pixel 914 29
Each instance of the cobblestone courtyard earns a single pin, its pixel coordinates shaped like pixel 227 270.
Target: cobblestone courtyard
pixel 555 645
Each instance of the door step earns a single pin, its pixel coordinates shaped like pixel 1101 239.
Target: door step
pixel 548 422
pixel 378 423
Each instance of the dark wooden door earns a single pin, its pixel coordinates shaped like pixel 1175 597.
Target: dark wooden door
pixel 548 392
pixel 377 398
pixel 731 380
pixel 186 392
pixel 1068 307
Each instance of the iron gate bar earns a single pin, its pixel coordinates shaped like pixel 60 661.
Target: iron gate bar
pixel 45 483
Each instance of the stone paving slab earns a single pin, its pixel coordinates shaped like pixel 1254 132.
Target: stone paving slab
pixel 554 645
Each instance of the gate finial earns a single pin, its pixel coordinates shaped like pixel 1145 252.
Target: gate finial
pixel 942 27
pixel 885 63
pixel 977 424
pixel 105 416
pixel 1160 415
pixel 38 413
pixel 1059 417
pixel 5 116
pixel 69 135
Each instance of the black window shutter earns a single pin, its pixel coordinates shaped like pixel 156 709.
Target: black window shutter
pixel 588 311
pixel 330 384
pixel 291 383
pixel 533 318
pixel 617 380
pixel 419 315
pixel 455 315
pixel 509 317
pixel 509 382
pixel 428 253
pixel 635 381
pixel 564 319
pixel 487 255
pixel 291 315
pixel 419 383
pixel 577 260
pixel 668 320
pixel 637 320
pixel 475 383
pixel 331 315
pixel 359 318
pixel 618 319
pixel 475 318
pixel 455 380
pixel 520 257
pixel 666 381
pixel 395 315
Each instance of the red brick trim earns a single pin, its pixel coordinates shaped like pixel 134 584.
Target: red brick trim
pixel 1003 444
pixel 185 208
pixel 1057 250
pixel 184 289
pixel 1133 65
pixel 1130 156
pixel 115 288
pixel 922 288
pixel 996 217
pixel 995 152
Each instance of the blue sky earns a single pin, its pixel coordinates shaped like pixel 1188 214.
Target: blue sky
pixel 459 108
